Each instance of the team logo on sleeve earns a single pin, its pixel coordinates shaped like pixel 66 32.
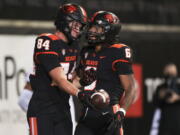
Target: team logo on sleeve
pixel 85 55
pixel 63 51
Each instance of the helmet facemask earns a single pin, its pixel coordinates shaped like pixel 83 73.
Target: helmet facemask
pixel 95 34
pixel 73 29
pixel 110 24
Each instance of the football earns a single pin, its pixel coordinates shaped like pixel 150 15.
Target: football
pixel 100 99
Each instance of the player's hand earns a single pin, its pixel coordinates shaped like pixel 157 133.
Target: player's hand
pixel 173 98
pixel 85 97
pixel 117 119
pixel 88 77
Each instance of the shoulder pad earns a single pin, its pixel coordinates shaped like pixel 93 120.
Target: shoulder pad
pixel 50 35
pixel 118 45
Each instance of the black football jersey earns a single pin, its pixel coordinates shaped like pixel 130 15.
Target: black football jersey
pixel 51 52
pixel 109 63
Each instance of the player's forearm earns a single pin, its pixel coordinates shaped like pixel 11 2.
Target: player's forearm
pixel 67 87
pixel 129 97
pixel 59 78
pixel 129 84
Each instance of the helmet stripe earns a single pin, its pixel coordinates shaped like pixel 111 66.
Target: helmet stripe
pixel 84 13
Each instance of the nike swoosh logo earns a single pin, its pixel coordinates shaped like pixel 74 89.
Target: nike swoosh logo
pixel 104 113
pixel 102 57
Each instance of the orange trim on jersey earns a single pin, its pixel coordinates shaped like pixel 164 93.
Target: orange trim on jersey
pixel 54 53
pixel 33 126
pixel 117 45
pixel 120 60
pixel 51 36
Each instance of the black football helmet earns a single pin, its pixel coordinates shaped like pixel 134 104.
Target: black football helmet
pixel 68 13
pixel 111 27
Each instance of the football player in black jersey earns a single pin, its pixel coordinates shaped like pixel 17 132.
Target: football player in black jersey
pixel 113 65
pixel 55 58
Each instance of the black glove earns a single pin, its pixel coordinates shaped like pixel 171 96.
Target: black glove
pixel 116 121
pixel 85 97
pixel 88 77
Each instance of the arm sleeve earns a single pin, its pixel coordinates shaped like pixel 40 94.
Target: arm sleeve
pixel 122 63
pixel 47 53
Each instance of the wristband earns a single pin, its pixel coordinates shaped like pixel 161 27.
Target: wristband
pixel 122 110
pixel 77 92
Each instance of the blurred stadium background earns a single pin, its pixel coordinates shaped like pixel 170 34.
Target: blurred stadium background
pixel 150 27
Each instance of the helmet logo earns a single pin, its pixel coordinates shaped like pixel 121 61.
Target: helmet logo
pixel 70 9
pixel 111 18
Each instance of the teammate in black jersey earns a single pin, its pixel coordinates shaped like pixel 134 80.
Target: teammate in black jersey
pixel 55 58
pixel 113 65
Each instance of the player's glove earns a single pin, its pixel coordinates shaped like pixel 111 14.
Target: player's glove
pixel 88 77
pixel 85 97
pixel 117 119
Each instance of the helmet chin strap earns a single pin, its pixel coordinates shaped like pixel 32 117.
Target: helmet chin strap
pixel 101 42
pixel 67 32
pixel 101 46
